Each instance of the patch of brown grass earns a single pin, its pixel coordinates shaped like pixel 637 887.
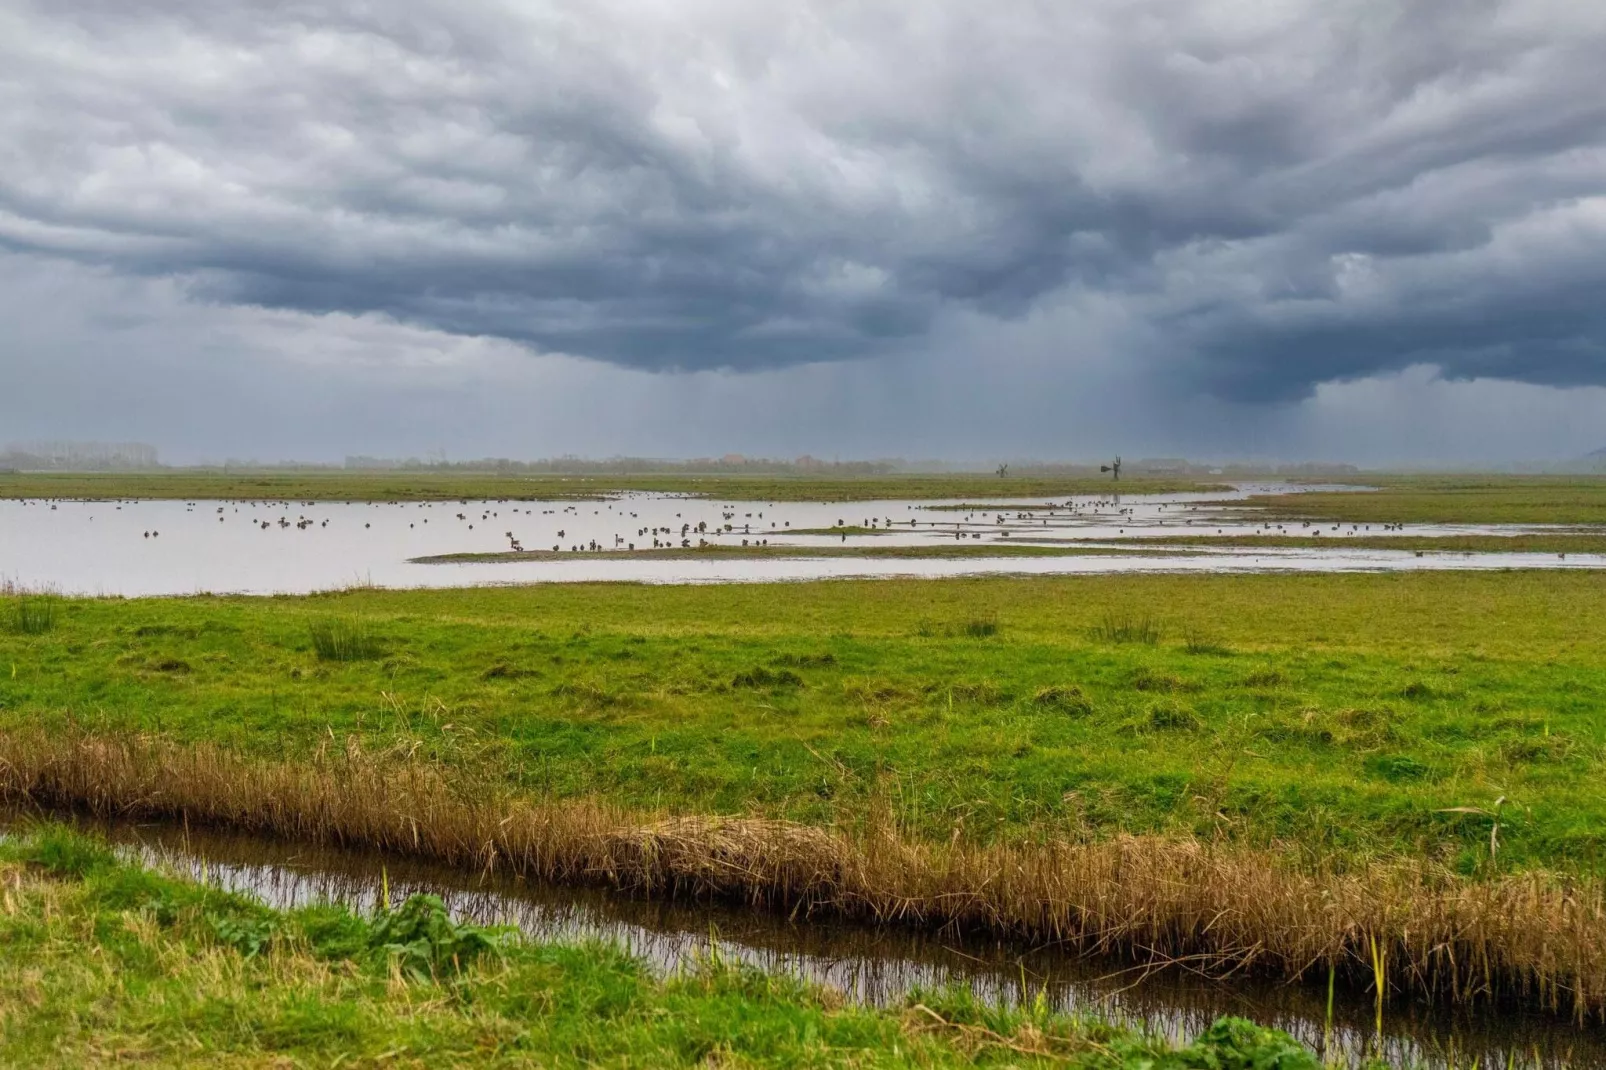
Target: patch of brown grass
pixel 1536 937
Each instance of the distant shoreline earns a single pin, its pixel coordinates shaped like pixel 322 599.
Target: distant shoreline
pixel 772 552
pixel 419 487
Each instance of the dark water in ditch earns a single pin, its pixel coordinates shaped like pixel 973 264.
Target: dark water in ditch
pixel 876 965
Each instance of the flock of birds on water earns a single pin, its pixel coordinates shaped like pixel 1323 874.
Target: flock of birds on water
pixel 1036 523
pixel 673 537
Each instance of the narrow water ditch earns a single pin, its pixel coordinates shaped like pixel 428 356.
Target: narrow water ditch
pixel 870 965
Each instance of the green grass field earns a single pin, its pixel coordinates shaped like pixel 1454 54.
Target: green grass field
pixel 1548 543
pixel 105 963
pixel 1453 500
pixel 1337 716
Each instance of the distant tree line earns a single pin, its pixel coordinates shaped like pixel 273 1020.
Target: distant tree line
pixel 570 465
pixel 78 456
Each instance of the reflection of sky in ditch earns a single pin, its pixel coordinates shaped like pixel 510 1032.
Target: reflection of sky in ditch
pixel 157 548
pixel 874 966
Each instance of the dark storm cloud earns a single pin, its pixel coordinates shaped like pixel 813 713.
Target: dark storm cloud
pixel 1279 194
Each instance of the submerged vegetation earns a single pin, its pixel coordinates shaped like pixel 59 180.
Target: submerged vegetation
pixel 104 962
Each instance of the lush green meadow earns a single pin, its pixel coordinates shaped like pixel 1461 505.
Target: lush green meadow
pixel 1566 542
pixel 1334 716
pixel 1474 499
pixel 103 963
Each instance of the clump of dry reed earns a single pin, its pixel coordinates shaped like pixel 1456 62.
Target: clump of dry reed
pixel 1534 938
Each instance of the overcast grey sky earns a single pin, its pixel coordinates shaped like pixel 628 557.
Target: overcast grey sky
pixel 1239 228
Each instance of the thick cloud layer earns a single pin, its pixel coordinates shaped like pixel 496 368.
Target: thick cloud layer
pixel 1271 195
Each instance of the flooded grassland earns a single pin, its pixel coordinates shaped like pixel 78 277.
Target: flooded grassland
pixel 1229 742
pixel 167 547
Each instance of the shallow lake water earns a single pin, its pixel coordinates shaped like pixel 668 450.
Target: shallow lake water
pixel 869 965
pixel 137 548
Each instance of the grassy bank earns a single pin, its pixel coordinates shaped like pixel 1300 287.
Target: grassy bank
pixel 407 486
pixel 759 553
pixel 1454 500
pixel 1405 927
pixel 1563 543
pixel 1349 715
pixel 1268 770
pixel 1557 543
pixel 107 963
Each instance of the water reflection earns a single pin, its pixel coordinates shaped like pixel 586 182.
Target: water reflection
pixel 876 966
pixel 137 548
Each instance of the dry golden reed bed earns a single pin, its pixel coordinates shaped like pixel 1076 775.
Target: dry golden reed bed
pixel 1537 938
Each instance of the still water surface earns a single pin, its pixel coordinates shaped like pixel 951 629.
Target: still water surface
pixel 872 965
pixel 135 548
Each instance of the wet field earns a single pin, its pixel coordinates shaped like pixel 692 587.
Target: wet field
pixel 873 965
pixel 135 548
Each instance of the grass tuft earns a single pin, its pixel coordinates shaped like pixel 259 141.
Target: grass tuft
pixel 31 614
pixel 343 639
pixel 1065 699
pixel 1148 679
pixel 1200 644
pixel 1126 628
pixel 1171 717
pixel 759 676
pixel 805 661
pixel 64 852
pixel 979 627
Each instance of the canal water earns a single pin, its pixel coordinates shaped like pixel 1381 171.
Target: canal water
pixel 877 966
